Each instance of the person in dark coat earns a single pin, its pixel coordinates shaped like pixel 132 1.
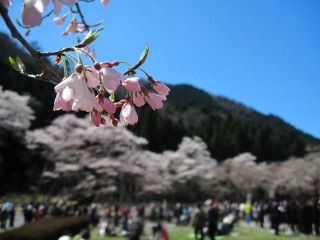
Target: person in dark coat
pixel 275 217
pixel 213 219
pixel 316 217
pixel 198 221
pixel 305 218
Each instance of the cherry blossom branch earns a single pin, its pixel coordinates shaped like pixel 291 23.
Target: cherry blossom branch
pixel 61 51
pixel 47 71
pixel 79 89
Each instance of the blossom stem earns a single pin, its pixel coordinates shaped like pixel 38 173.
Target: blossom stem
pixel 125 63
pixel 65 70
pixel 88 54
pixel 79 60
pixel 70 63
pixel 144 72
pixel 71 56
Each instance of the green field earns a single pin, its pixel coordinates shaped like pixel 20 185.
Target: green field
pixel 239 233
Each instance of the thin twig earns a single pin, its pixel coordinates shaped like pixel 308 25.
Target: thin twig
pixel 81 16
pixel 61 51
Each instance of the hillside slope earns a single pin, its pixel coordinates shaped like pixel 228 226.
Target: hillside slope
pixel 228 127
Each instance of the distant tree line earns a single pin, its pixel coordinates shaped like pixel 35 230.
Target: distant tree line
pixel 72 158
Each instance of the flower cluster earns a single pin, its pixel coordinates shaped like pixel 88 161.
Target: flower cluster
pixel 88 88
pixel 33 10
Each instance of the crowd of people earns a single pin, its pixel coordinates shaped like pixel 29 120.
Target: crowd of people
pixel 210 218
pixel 287 216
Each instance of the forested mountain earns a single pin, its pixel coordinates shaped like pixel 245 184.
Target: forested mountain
pixel 228 127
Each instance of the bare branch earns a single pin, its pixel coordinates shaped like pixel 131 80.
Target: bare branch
pixel 34 53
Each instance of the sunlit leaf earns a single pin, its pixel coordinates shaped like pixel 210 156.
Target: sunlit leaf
pixel 14 64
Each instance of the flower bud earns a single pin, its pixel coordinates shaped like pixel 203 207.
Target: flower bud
pixel 58 59
pixel 114 121
pixel 97 66
pixel 79 68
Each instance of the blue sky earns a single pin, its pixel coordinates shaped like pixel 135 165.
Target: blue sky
pixel 264 54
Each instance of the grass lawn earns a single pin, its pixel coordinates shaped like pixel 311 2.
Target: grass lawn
pixel 239 233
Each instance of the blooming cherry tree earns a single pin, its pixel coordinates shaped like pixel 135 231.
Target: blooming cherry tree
pixel 15 114
pixel 89 88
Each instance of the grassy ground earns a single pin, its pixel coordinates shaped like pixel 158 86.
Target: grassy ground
pixel 239 233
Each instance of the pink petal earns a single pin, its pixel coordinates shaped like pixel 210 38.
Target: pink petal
pixel 108 106
pixel 155 100
pixel 57 6
pixel 138 99
pixel 111 79
pixel 105 3
pixel 128 114
pixel 132 84
pixel 59 104
pixel 81 27
pixel 60 20
pixel 92 76
pixel 72 28
pixel 31 16
pixel 161 88
pixel 95 117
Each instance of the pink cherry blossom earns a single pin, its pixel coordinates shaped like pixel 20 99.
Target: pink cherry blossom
pixel 31 13
pixel 6 3
pixel 96 118
pixel 138 99
pixel 132 84
pixel 105 3
pixel 75 88
pixel 160 88
pixel 60 20
pixel 111 78
pixel 92 76
pixel 154 100
pixel 60 104
pixel 128 114
pixel 108 105
pixel 74 27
